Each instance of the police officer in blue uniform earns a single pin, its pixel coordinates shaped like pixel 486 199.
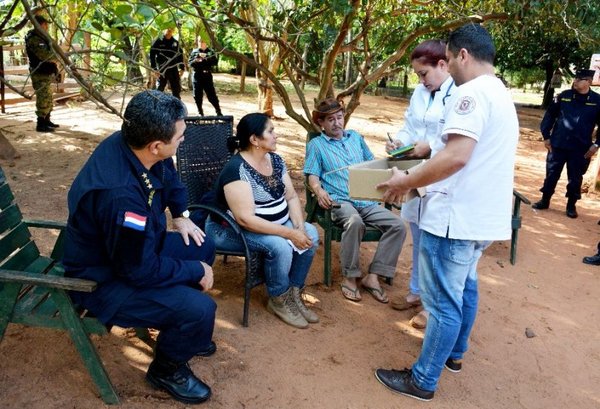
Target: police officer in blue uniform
pixel 202 59
pixel 567 129
pixel 166 57
pixel 117 236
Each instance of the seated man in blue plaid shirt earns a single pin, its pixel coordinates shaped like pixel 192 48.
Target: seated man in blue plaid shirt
pixel 327 159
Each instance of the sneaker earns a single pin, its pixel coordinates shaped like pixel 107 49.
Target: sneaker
pixel 453 365
pixel 402 382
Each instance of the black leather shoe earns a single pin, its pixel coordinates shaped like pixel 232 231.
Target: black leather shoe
pixel 212 348
pixel 402 382
pixel 182 384
pixel 593 260
pixel 541 205
pixel 572 212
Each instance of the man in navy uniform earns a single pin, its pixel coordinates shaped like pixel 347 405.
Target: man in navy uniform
pixel 117 236
pixel 202 59
pixel 567 129
pixel 166 57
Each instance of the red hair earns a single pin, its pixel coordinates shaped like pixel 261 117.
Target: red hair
pixel 429 52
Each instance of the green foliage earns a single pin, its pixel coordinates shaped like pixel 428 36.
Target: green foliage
pixel 382 33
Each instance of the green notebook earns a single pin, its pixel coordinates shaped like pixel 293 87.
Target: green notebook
pixel 401 151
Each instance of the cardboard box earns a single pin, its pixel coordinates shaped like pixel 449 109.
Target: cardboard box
pixel 363 178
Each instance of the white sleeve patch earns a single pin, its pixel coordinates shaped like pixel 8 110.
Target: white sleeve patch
pixel 464 105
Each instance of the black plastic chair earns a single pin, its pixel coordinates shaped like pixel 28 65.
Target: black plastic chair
pixel 200 158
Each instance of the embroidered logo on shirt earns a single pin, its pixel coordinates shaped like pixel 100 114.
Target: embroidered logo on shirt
pixel 134 221
pixel 464 106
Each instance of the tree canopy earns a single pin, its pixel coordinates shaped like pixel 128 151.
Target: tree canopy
pixel 339 46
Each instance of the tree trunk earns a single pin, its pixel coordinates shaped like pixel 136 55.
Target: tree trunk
pixel 265 96
pixel 349 74
pixel 7 151
pixel 548 90
pixel 243 78
pixel 132 51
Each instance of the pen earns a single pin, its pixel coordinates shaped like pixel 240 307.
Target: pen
pixel 390 137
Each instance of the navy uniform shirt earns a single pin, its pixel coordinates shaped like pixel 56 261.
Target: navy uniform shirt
pixel 166 54
pixel 209 59
pixel 570 120
pixel 117 225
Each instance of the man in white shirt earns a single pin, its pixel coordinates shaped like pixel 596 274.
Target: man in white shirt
pixel 468 205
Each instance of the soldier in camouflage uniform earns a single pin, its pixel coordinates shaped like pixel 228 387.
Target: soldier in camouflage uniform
pixel 43 69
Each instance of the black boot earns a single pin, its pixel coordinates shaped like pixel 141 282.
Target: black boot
pixel 571 209
pixel 219 113
pixel 42 125
pixel 50 123
pixel 542 204
pixel 177 379
pixel 593 260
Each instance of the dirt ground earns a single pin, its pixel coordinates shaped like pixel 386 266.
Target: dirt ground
pixel 331 364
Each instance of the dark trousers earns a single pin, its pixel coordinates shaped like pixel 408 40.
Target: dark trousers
pixel 170 76
pixel 203 82
pixel 183 314
pixel 577 165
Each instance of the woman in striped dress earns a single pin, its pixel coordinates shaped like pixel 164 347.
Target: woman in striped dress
pixel 255 188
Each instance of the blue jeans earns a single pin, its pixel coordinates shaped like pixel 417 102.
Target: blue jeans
pixel 414 274
pixel 284 268
pixel 448 283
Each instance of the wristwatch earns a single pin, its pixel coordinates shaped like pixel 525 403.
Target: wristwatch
pixel 185 214
pixel 595 144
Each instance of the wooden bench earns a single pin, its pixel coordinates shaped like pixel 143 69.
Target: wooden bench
pixel 34 291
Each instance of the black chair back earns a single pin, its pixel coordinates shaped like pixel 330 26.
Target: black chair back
pixel 200 158
pixel 203 153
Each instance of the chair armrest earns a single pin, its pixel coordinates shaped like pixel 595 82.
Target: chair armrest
pixel 45 224
pixel 59 244
pixel 61 283
pixel 520 197
pixel 234 225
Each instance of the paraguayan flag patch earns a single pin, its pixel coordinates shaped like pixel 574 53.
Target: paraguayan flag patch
pixel 134 221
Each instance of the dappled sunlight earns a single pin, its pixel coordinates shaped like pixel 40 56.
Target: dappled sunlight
pixel 311 298
pixel 406 328
pixel 491 280
pixel 593 395
pixel 135 358
pixel 225 324
pixel 71 148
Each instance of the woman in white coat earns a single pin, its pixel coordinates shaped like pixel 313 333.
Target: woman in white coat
pixel 421 123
